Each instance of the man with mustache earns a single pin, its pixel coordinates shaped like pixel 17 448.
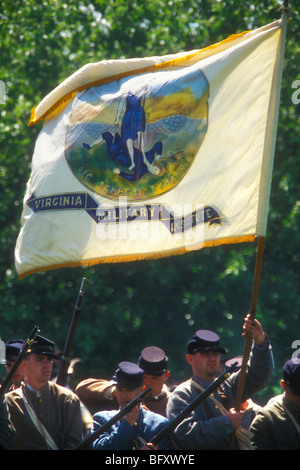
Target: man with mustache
pixel 45 415
pixel 211 424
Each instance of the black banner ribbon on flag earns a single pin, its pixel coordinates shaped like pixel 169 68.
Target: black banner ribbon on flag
pixel 126 213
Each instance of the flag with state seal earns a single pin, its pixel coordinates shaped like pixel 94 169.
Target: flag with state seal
pixel 150 157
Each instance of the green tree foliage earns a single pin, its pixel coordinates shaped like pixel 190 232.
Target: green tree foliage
pixel 129 306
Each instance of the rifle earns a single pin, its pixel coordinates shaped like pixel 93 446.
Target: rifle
pixel 196 402
pixel 114 419
pixel 19 359
pixel 65 362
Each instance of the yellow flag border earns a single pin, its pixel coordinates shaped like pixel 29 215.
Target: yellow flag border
pixel 180 58
pixel 60 105
pixel 140 257
pixel 62 102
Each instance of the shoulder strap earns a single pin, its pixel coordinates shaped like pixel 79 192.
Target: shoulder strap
pixel 40 427
pixel 293 419
pixel 211 397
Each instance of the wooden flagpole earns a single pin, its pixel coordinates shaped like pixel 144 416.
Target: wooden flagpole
pixel 261 239
pixel 260 246
pixel 253 305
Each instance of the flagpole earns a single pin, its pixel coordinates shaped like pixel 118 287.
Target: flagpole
pixel 261 239
pixel 252 314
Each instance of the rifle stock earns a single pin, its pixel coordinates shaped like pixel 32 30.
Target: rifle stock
pixel 19 359
pixel 64 363
pixel 114 419
pixel 196 402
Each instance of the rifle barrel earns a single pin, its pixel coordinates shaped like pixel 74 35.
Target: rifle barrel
pixel 19 359
pixel 114 419
pixel 196 402
pixel 63 369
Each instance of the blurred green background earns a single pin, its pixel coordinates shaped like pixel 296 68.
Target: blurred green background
pixel 132 305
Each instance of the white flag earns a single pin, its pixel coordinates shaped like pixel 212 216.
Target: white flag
pixel 145 158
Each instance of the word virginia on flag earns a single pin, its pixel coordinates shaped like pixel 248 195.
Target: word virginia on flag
pixel 150 157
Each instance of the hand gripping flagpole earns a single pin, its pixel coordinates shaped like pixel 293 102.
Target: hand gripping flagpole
pixel 252 314
pixel 261 239
pixel 170 427
pixel 248 335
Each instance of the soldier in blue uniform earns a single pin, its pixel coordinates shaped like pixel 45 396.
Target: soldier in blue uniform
pixel 154 363
pixel 139 426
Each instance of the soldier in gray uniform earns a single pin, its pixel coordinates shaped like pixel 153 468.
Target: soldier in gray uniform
pixel 211 424
pixel 44 414
pixel 277 425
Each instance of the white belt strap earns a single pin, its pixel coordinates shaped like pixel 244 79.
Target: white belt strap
pixel 40 427
pixel 211 397
pixel 243 435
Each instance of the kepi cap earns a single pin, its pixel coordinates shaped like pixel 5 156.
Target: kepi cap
pixel 43 347
pixel 238 359
pixel 13 348
pixel 203 341
pixel 153 361
pixel 291 375
pixel 128 375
